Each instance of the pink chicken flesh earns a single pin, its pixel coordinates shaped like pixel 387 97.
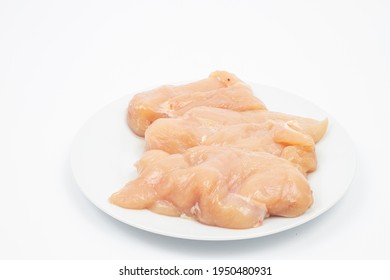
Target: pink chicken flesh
pixel 221 89
pixel 286 136
pixel 219 186
pixel 217 155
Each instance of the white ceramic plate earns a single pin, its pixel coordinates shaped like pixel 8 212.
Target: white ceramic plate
pixel 105 150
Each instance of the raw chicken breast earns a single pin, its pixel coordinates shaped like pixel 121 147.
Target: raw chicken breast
pixel 221 89
pixel 274 133
pixel 217 186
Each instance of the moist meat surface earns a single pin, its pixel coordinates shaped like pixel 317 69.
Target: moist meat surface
pixel 219 186
pixel 216 154
pixel 286 136
pixel 221 89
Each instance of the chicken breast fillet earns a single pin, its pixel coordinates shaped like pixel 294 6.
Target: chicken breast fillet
pixel 219 186
pixel 286 136
pixel 221 89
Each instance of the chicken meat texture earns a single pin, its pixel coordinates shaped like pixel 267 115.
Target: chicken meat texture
pixel 216 154
pixel 218 186
pixel 221 89
pixel 286 136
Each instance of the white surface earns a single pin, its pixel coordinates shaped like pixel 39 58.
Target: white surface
pixel 60 62
pixel 105 151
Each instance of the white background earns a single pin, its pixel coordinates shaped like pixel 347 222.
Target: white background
pixel 61 61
